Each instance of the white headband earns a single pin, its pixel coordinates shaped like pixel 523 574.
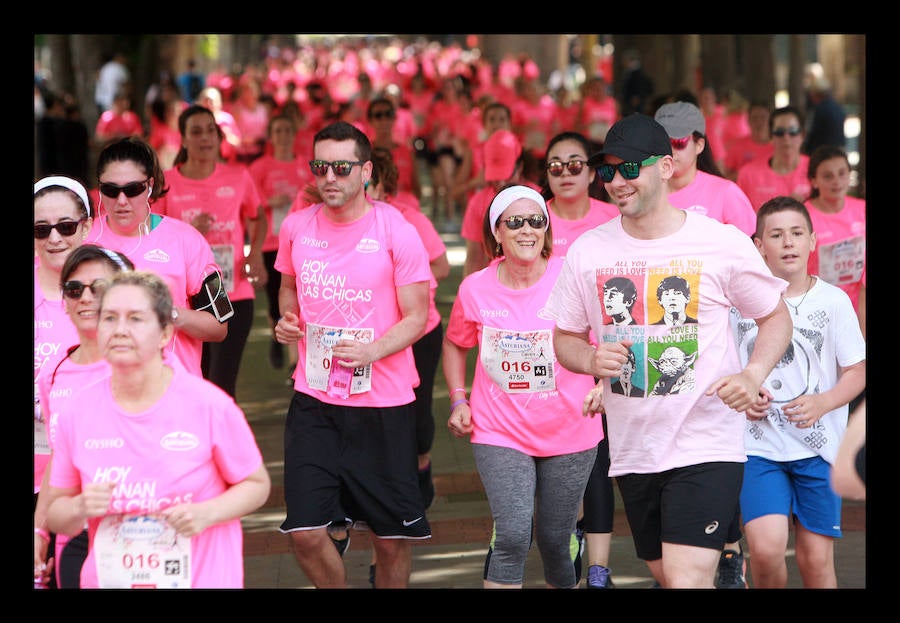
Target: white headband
pixel 65 182
pixel 514 193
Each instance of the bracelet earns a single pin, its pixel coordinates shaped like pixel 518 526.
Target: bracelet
pixel 43 534
pixel 458 389
pixel 456 403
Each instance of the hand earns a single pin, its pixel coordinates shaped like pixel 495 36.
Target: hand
pixel 255 270
pixel 609 357
pixel 737 391
pixel 593 402
pixel 95 497
pixel 759 410
pixel 805 410
pixel 203 222
pixel 287 329
pixel 187 519
pixel 460 422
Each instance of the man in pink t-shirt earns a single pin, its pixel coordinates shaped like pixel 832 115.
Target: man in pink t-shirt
pixel 354 297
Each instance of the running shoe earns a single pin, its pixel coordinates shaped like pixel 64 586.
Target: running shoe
pixel 598 577
pixel 732 570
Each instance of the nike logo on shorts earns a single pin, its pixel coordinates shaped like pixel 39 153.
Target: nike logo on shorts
pixel 407 524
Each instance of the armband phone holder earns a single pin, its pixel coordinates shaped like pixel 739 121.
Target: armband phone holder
pixel 213 298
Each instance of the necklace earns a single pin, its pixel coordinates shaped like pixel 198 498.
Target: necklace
pixel 797 306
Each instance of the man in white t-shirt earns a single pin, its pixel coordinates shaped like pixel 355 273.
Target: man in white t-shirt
pixel 677 457
pixel 113 75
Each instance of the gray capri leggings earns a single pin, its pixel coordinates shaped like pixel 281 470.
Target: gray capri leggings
pixel 520 488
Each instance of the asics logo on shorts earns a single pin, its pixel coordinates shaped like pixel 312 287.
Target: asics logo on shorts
pixel 407 524
pixel 712 527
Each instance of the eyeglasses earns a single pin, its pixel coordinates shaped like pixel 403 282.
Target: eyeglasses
pixel 629 170
pixel 555 168
pixel 65 228
pixel 791 131
pixel 537 221
pixel 681 143
pixel 74 289
pixel 131 190
pixel 341 168
pixel 383 114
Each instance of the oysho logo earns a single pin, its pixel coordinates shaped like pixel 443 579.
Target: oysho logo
pixel 104 444
pixel 179 441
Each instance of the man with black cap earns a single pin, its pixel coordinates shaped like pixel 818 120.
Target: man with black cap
pixel 678 458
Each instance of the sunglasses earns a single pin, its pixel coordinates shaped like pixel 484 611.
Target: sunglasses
pixel 629 170
pixel 74 289
pixel 555 168
pixel 341 168
pixel 791 131
pixel 65 228
pixel 383 114
pixel 537 221
pixel 681 143
pixel 131 190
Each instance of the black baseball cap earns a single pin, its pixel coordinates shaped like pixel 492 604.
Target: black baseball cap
pixel 634 139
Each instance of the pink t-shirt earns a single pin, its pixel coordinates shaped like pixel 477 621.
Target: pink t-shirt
pixel 112 124
pixel 717 198
pixel 565 231
pixel 62 381
pixel 761 183
pixel 230 196
pixel 278 177
pixel 745 149
pixel 598 116
pixel 347 275
pixel 666 420
pixel 539 411
pixel 179 254
pixel 190 446
pixel 840 255
pixel 54 333
pixel 434 247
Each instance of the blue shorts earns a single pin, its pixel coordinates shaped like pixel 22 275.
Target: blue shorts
pixel 801 488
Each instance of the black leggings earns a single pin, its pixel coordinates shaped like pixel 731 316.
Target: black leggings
pixel 599 500
pixel 221 361
pixel 272 285
pixel 427 353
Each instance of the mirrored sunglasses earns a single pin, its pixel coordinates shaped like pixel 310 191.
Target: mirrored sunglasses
pixel 791 131
pixel 74 289
pixel 537 221
pixel 65 228
pixel 555 167
pixel 341 168
pixel 131 190
pixel 629 170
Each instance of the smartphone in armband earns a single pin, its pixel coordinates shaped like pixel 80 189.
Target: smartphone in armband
pixel 213 298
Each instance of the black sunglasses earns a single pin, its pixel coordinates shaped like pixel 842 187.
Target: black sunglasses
pixel 132 189
pixel 537 221
pixel 791 131
pixel 341 168
pixel 555 167
pixel 629 170
pixel 65 228
pixel 74 289
pixel 384 114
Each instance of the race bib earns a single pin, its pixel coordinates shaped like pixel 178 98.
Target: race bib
pixel 141 551
pixel 320 339
pixel 519 362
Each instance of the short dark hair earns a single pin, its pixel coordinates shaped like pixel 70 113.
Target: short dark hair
pixel 343 131
pixel 674 282
pixel 779 204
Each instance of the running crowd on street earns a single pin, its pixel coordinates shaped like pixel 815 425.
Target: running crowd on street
pixel 666 293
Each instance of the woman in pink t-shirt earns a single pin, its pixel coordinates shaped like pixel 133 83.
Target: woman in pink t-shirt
pixel 83 279
pixel 166 465
pixel 62 220
pixel 839 222
pixel 533 446
pixel 222 202
pixel 128 221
